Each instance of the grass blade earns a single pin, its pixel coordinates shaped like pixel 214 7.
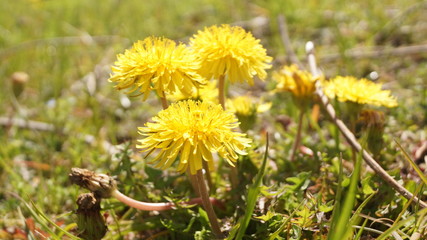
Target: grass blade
pixel 413 164
pixel 342 223
pixel 397 225
pixel 253 193
pixel 42 219
pixel 334 218
pixel 282 227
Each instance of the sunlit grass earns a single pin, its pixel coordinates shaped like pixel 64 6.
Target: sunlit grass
pixel 67 48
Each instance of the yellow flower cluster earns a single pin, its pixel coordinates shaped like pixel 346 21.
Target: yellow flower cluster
pixel 360 91
pixel 299 82
pixel 193 130
pixel 159 64
pixel 190 129
pixel 230 51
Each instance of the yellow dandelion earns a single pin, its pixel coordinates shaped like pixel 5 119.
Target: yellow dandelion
pixel 299 82
pixel 245 106
pixel 246 110
pixel 193 130
pixel 360 91
pixel 157 64
pixel 206 93
pixel 230 51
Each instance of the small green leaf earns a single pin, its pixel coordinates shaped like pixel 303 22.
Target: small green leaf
pixel 366 188
pixel 267 216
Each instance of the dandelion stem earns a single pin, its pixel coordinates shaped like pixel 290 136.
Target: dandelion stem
pixel 141 205
pixel 221 91
pixel 193 181
pixel 104 186
pixel 147 206
pixel 208 176
pixel 298 136
pixel 165 103
pixel 221 98
pixel 208 205
pixel 353 130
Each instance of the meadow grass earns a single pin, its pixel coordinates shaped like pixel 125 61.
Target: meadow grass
pixel 67 48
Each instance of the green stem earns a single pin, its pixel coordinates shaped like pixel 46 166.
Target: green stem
pixel 353 120
pixel 298 136
pixel 208 177
pixel 162 206
pixel 193 181
pixel 221 91
pixel 164 101
pixel 221 98
pixel 204 195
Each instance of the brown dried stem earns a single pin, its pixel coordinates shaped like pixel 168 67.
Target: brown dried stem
pixel 348 135
pixel 351 139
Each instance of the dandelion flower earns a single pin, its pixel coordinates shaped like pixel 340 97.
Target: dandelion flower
pixel 157 64
pixel 363 91
pixel 206 93
pixel 299 82
pixel 246 110
pixel 230 51
pixel 245 106
pixel 193 130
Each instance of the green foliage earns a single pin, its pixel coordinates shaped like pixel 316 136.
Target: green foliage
pixel 340 225
pixel 253 193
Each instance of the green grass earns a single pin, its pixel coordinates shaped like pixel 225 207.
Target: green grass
pixel 66 46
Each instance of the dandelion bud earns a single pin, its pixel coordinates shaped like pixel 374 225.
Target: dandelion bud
pixel 299 82
pixel 372 126
pixel 90 222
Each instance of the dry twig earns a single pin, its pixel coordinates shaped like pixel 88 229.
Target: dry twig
pixel 351 139
pixel 348 135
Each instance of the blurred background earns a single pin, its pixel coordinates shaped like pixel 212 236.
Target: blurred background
pixel 58 110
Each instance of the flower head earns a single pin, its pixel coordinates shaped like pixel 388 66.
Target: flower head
pixel 360 91
pixel 246 110
pixel 157 64
pixel 230 51
pixel 299 82
pixel 245 106
pixel 193 130
pixel 206 93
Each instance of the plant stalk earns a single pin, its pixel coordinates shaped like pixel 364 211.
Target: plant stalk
pixel 204 195
pixel 298 136
pixel 164 101
pixel 104 186
pixel 221 91
pixel 221 98
pixel 351 139
pixel 147 206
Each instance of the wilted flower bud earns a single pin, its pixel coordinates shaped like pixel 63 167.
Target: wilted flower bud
pixel 90 222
